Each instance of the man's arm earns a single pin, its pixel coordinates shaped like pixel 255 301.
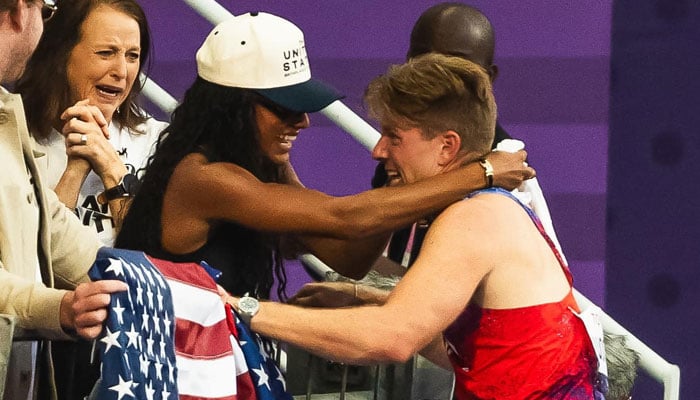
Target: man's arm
pixel 436 352
pixel 55 313
pixel 427 300
pixel 36 307
pixel 347 294
pixel 73 246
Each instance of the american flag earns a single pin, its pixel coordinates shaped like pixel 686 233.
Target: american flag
pixel 270 384
pixel 171 337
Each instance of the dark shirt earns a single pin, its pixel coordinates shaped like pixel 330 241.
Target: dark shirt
pixel 233 250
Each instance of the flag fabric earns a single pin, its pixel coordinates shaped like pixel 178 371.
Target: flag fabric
pixel 138 358
pixel 268 379
pixel 170 336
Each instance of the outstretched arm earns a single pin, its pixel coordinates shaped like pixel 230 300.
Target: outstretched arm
pixel 354 258
pixel 200 191
pixel 429 298
pixel 347 294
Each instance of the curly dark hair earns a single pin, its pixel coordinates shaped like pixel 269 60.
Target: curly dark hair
pixel 44 84
pixel 218 122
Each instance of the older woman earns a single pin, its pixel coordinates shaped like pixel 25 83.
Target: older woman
pixel 489 289
pixel 220 187
pixel 79 90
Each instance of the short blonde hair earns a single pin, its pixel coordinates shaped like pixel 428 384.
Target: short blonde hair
pixel 436 93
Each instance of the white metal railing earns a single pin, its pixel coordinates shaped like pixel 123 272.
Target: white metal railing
pixel 664 372
pixel 157 95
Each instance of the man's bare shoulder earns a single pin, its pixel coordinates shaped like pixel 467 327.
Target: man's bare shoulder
pixel 485 208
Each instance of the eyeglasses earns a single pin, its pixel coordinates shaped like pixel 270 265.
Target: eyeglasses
pixel 48 9
pixel 284 114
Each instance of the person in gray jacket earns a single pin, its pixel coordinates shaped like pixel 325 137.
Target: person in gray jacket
pixel 45 252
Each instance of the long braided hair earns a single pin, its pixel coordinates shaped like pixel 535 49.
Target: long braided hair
pixel 218 122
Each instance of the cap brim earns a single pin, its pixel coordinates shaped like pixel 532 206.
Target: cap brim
pixel 310 96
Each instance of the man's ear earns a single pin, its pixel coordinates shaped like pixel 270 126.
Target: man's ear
pixel 450 144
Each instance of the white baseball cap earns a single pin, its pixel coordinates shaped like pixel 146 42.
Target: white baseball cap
pixel 266 53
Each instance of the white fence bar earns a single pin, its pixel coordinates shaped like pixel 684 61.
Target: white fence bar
pixel 658 368
pixel 157 95
pixel 351 123
pixel 210 10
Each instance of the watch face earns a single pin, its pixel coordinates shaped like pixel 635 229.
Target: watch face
pixel 130 183
pixel 248 304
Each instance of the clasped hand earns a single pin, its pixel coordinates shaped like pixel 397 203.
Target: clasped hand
pixel 87 141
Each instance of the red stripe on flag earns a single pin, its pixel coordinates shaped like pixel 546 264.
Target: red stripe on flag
pixel 196 277
pixel 196 341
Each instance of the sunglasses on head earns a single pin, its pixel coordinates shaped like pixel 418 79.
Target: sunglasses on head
pixel 280 112
pixel 48 9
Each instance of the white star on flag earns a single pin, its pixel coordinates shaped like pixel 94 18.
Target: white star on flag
pixel 149 344
pixel 133 337
pixel 165 394
pixel 149 391
pixel 156 323
pixel 149 296
pixel 159 370
pixel 159 296
pixel 123 388
pixel 139 294
pixel 144 320
pixel 128 270
pixel 262 376
pixel 115 266
pixel 119 310
pixel 143 364
pixel 139 272
pixel 110 339
pixel 166 324
pixel 211 362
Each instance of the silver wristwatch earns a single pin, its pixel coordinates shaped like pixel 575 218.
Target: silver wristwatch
pixel 247 308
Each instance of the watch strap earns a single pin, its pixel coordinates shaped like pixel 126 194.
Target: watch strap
pixel 121 190
pixel 488 171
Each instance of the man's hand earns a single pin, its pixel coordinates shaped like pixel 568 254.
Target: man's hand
pixel 338 294
pixel 327 294
pixel 84 310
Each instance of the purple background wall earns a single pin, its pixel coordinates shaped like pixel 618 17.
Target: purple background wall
pixel 553 93
pixel 653 258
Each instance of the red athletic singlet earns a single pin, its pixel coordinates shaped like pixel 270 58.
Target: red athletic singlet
pixel 535 352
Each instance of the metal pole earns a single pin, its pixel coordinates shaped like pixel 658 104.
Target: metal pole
pixel 658 368
pixel 157 95
pixel 210 10
pixel 351 123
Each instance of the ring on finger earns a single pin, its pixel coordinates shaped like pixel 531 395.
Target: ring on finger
pixel 83 139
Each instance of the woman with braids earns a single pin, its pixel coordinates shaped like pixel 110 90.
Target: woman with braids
pixel 220 188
